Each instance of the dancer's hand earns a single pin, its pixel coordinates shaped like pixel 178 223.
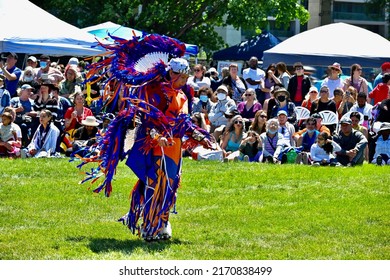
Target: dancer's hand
pixel 163 142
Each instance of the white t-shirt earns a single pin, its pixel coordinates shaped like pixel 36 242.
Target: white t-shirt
pixel 254 74
pixel 332 85
pixel 205 82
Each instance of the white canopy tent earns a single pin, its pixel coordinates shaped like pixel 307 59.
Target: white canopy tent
pixel 29 29
pixel 337 42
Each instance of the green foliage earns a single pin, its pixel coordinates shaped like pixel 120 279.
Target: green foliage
pixel 190 21
pixel 240 211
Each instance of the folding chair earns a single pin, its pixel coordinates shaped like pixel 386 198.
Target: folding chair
pixel 329 118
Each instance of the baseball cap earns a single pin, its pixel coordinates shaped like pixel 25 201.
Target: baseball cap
pixel 345 121
pixel 26 86
pixel 316 116
pixel 32 58
pixel 282 112
pixel 73 61
pixel 224 88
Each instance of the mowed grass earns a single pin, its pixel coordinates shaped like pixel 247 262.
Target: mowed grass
pixel 235 211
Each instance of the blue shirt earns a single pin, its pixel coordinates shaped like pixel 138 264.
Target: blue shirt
pixel 11 86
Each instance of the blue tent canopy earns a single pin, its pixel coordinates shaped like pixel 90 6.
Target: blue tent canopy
pixel 245 50
pixel 102 30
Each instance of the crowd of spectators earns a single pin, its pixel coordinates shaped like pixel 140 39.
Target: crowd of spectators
pixel 252 115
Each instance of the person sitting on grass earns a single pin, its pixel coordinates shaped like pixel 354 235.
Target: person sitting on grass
pixel 322 152
pixel 272 141
pixel 306 141
pixel 352 143
pixel 231 139
pixel 259 122
pixel 251 147
pixel 382 149
pixel 84 137
pixel 44 141
pixel 8 136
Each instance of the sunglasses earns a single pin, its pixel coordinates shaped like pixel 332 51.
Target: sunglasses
pixel 197 70
pixel 320 139
pixel 359 69
pixel 324 91
pixel 298 68
pixel 248 94
pixel 238 122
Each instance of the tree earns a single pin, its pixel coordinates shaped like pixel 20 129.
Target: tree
pixel 189 21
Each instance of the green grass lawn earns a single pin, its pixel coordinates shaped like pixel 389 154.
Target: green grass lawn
pixel 235 211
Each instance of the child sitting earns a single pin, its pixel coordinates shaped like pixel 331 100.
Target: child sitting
pixel 8 136
pixel 251 147
pixel 322 151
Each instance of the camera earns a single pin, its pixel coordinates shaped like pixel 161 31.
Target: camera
pixel 348 93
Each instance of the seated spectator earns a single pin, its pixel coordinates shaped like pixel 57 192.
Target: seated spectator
pixel 272 142
pixel 8 137
pixel 231 139
pixel 271 102
pixel 203 104
pixel 72 82
pixel 381 91
pixel 352 143
pixel 286 129
pixel 382 149
pixel 84 137
pixel 28 77
pixel 319 127
pixel 217 113
pixel 324 103
pixel 283 103
pixel 5 97
pixel 249 107
pixel 259 122
pixel 16 127
pixel 24 109
pixel 107 119
pixel 347 102
pixel 33 63
pixel 310 97
pixel 199 120
pixel 338 95
pixel 306 140
pixel 236 84
pixel 76 114
pixel 355 118
pixel 322 152
pixel 46 72
pixel 44 141
pixel 214 78
pixel 251 147
pixel 199 78
pixel 363 107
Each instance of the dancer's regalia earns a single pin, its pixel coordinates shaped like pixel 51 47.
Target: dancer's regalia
pixel 139 68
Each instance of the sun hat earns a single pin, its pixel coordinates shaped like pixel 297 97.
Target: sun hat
pixel 384 126
pixel 336 66
pixel 224 88
pixel 179 65
pixel 281 90
pixel 282 112
pixel 90 121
